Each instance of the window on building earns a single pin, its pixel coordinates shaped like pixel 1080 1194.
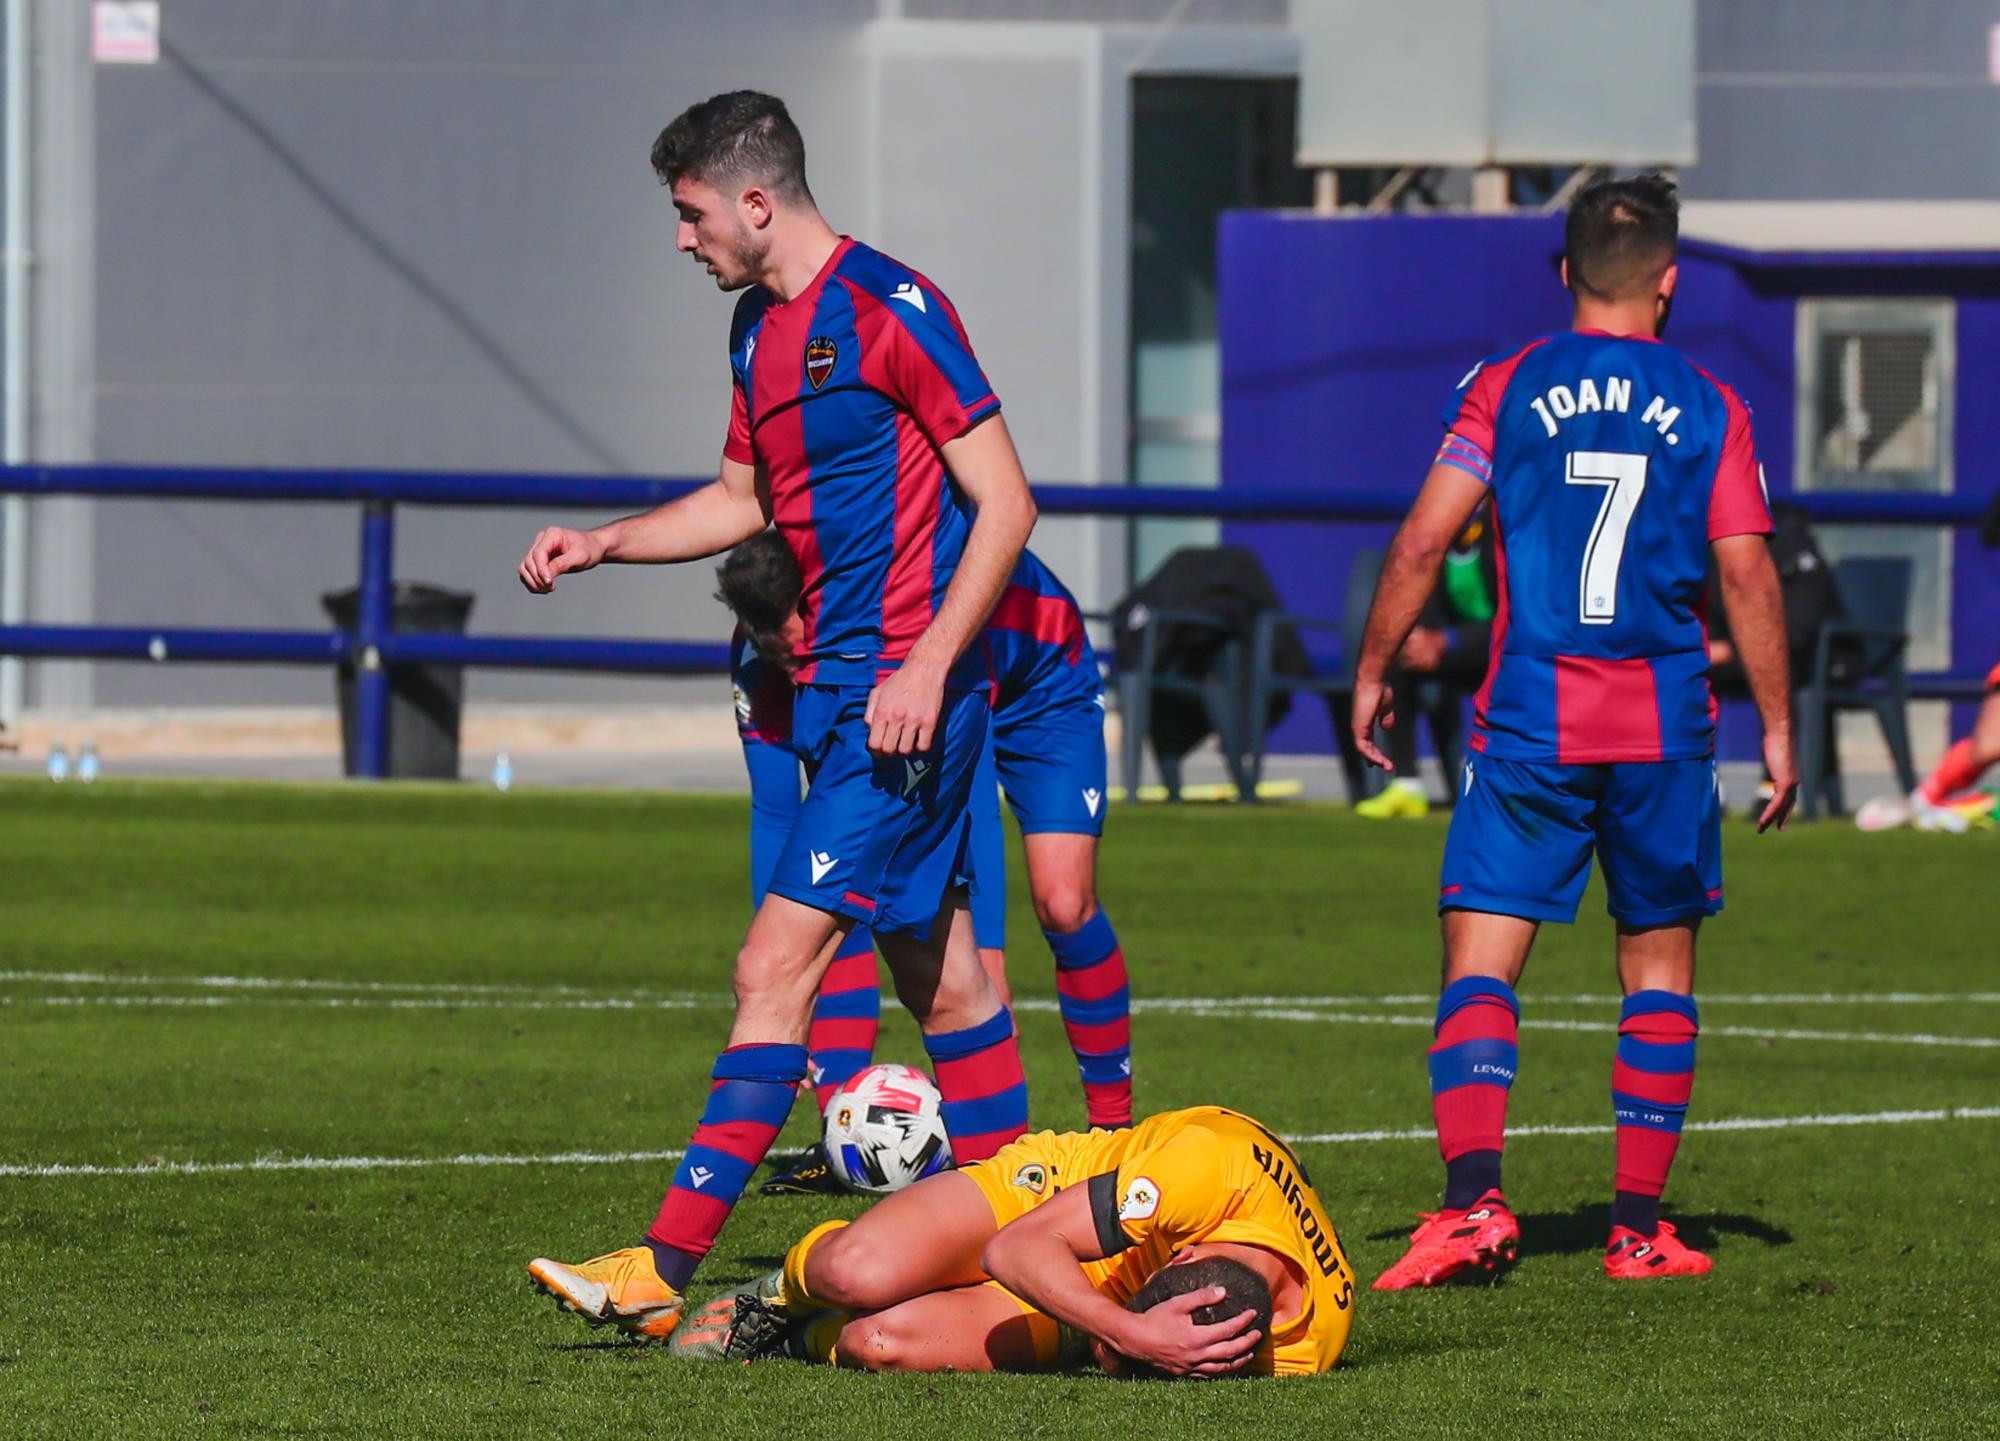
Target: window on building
pixel 1876 384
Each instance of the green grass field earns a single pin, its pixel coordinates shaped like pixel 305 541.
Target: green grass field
pixel 204 976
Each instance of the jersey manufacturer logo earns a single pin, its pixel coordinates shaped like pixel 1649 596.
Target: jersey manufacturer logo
pixel 701 1176
pixel 1141 1200
pixel 1092 798
pixel 910 295
pixel 749 349
pixel 742 705
pixel 914 772
pixel 820 355
pixel 821 864
pixel 1468 779
pixel 1032 1177
pixel 1470 373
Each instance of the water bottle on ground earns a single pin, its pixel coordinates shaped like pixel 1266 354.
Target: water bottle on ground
pixel 503 772
pixel 59 760
pixel 86 761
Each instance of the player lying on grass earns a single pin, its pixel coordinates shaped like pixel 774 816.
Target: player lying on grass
pixel 1047 751
pixel 1192 1244
pixel 1619 471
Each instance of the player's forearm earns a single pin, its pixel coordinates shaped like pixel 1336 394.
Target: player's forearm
pixel 1754 599
pixel 702 523
pixel 1409 574
pixel 1000 530
pixel 1043 1271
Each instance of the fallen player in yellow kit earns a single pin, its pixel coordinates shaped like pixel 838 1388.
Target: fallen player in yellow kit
pixel 1191 1244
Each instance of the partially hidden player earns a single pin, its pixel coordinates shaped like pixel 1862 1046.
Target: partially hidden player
pixel 1192 1244
pixel 1047 752
pixel 1617 468
pixel 862 425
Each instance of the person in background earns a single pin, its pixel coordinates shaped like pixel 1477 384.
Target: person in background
pixel 1442 662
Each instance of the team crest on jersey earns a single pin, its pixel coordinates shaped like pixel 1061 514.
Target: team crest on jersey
pixel 1141 1200
pixel 1033 1178
pixel 821 352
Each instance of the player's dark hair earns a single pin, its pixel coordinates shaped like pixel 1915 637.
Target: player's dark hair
pixel 744 137
pixel 1246 1291
pixel 760 583
pixel 1620 235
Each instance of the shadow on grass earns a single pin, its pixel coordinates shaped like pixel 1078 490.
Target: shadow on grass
pixel 1584 1228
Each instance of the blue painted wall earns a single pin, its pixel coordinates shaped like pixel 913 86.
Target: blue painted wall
pixel 1343 339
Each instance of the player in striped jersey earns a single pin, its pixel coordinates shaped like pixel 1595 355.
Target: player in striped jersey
pixel 1617 467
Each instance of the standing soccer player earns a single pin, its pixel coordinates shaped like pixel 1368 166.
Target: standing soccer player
pixel 1048 755
pixel 862 425
pixel 1617 467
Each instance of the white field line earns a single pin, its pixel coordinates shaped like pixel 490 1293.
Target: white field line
pixel 1759 1033
pixel 615 1158
pixel 1144 1003
pixel 1739 1123
pixel 1216 1008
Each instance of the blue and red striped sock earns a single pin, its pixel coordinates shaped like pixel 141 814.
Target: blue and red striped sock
pixel 747 1106
pixel 985 1092
pixel 1473 1061
pixel 1651 1083
pixel 1096 999
pixel 846 1016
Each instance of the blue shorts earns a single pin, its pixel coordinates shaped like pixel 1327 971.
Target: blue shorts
pixel 1052 767
pixel 989 856
pixel 880 838
pixel 1523 832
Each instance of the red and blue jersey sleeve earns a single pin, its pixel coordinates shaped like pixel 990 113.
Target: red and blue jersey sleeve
pixel 1738 504
pixel 736 445
pixel 923 361
pixel 1472 416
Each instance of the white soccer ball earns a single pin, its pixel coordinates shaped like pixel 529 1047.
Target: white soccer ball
pixel 885 1130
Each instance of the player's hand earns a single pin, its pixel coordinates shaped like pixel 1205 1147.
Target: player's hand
pixel 1424 650
pixel 1373 702
pixel 903 711
pixel 1169 1338
pixel 558 551
pixel 1784 782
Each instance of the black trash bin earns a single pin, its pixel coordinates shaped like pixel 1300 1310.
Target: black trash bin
pixel 424 700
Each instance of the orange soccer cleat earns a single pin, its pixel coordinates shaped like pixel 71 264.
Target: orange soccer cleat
pixel 1630 1256
pixel 1483 1235
pixel 619 1289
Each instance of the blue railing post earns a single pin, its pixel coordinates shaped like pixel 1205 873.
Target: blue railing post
pixel 371 678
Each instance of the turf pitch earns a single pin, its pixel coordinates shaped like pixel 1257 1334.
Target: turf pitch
pixel 472 983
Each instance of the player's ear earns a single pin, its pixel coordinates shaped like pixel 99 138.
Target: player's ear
pixel 1562 269
pixel 756 206
pixel 1669 278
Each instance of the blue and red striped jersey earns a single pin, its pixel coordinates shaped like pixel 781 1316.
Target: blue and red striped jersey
pixel 844 395
pixel 1041 657
pixel 1614 461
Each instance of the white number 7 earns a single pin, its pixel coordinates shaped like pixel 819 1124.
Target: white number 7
pixel 1624 480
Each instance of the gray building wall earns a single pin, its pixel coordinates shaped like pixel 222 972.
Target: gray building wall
pixel 396 233
pixel 1845 100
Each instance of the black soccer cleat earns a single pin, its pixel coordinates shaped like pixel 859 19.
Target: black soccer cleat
pixel 807 1174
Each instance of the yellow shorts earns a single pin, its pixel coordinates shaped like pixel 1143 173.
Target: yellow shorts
pixel 1022 1174
pixel 1014 1180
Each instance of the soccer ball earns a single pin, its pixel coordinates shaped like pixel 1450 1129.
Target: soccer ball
pixel 885 1130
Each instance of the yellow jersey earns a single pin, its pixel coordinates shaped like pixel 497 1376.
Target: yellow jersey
pixel 1178 1179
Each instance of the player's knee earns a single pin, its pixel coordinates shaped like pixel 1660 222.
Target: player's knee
pixel 1063 906
pixel 854 1275
pixel 874 1343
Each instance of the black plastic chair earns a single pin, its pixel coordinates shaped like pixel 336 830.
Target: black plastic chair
pixel 1220 691
pixel 1858 663
pixel 1333 674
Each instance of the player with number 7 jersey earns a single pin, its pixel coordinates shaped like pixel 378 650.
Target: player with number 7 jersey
pixel 1619 469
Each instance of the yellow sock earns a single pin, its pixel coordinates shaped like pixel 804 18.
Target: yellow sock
pixel 796 1298
pixel 819 1337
